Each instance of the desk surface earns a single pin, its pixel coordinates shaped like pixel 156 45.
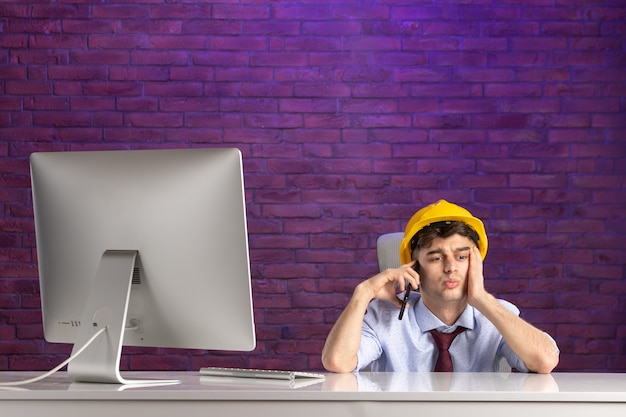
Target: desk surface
pixel 339 395
pixel 393 387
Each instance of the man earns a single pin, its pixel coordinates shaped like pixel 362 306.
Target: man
pixel 442 253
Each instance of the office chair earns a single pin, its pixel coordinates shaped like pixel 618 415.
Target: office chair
pixel 388 251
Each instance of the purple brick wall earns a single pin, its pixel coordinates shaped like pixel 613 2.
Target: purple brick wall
pixel 350 115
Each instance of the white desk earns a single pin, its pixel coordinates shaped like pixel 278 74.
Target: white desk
pixel 365 394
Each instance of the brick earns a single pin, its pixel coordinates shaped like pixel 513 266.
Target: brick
pixel 431 44
pixel 337 58
pixel 22 56
pixel 367 106
pixel 378 121
pixel 570 29
pixel 27 88
pixel 153 120
pixel 97 57
pixel 128 42
pixel 445 166
pixel 595 43
pixel 508 121
pixel 128 135
pixel 176 135
pixel 79 135
pixel 37 26
pixel 301 12
pixel 271 27
pixel 363 75
pixel 364 12
pixel 608 120
pixel 438 28
pixel 278 59
pixel 15 41
pixel 513 90
pixel 211 27
pixel 201 120
pixel 481 75
pixel 302 75
pixel 598 181
pixel 46 103
pixel 185 42
pixel 599 150
pixel 372 43
pixel 243 74
pixel 594 75
pixel 307 105
pixel 321 90
pixel 591 106
pixel 420 75
pixel 577 59
pixel 179 89
pixel 88 26
pixel 248 105
pixel 183 12
pixel 457 136
pixel 59 119
pixel 243 12
pixel 157 57
pixel 464 59
pixel 331 28
pixel 13 73
pixel 484 44
pixel 121 11
pixel 76 72
pixel 312 43
pixel 112 88
pixel 478 181
pixel 538 181
pixel 494 196
pixel 16 10
pixel 470 106
pixel 284 121
pixel 309 135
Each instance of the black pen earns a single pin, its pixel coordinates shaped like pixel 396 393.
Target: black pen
pixel 404 301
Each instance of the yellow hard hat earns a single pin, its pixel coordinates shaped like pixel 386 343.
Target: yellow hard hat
pixel 439 212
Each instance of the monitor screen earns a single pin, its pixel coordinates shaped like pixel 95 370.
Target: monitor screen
pixel 149 244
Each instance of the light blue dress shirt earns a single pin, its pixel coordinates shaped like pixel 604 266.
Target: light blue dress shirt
pixel 389 344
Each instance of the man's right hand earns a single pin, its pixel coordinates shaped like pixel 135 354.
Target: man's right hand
pixel 387 284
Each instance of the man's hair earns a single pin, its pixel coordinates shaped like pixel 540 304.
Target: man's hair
pixel 424 237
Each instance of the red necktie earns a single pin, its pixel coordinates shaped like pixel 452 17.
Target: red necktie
pixel 443 342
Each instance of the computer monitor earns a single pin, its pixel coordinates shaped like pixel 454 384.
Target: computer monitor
pixel 150 244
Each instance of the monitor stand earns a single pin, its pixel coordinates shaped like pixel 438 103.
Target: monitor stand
pixel 106 307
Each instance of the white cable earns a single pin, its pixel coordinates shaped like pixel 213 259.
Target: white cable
pixel 53 371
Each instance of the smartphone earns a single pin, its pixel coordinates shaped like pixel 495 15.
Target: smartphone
pixel 404 301
pixel 416 267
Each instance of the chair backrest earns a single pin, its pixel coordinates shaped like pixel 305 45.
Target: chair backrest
pixel 388 250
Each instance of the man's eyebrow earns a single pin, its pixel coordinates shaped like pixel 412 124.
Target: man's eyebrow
pixel 440 251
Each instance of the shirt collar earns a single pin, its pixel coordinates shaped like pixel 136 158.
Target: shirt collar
pixel 427 321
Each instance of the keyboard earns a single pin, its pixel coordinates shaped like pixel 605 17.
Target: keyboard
pixel 260 373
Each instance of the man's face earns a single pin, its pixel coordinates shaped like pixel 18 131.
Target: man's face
pixel 443 268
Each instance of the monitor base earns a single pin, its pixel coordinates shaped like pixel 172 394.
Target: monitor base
pixel 107 307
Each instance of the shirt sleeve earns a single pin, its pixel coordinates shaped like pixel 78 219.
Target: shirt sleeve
pixel 505 351
pixel 370 348
pixel 514 361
